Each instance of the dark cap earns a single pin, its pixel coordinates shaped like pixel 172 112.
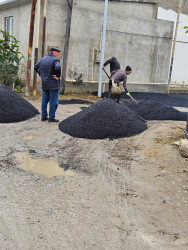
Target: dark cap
pixel 55 49
pixel 128 68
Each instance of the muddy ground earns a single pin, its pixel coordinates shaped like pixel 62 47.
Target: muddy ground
pixel 122 194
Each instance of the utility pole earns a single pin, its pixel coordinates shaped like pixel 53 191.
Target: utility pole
pixel 66 45
pixel 174 45
pixel 36 46
pixel 44 27
pixel 32 22
pixel 102 49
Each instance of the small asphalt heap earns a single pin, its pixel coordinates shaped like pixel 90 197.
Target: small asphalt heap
pixel 74 101
pixel 173 100
pixel 152 110
pixel 14 108
pixel 104 119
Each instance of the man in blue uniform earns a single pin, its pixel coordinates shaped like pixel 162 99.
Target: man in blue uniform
pixel 49 69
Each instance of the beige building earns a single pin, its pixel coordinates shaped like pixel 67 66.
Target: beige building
pixel 134 35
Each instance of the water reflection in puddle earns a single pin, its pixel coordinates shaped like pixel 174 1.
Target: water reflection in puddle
pixel 46 167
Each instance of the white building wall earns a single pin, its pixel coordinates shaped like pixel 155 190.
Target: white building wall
pixel 180 65
pixel 21 20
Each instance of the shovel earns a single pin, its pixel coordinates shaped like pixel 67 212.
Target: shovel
pixel 106 74
pixel 121 87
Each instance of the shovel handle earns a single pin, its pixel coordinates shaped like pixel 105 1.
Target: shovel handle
pixel 130 96
pixel 133 99
pixel 106 74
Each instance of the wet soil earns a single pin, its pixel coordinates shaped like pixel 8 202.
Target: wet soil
pixel 127 193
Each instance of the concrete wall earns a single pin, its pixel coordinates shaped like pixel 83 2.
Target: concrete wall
pixel 55 28
pixel 56 23
pixel 180 65
pixel 85 87
pixel 137 39
pixel 173 5
pixel 21 15
pixel 166 4
pixel 133 8
pixel 143 43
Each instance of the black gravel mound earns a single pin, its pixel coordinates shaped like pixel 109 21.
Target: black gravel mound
pixel 74 101
pixel 104 119
pixel 175 100
pixel 152 110
pixel 14 108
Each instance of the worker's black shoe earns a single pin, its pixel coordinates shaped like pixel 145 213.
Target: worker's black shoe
pixel 44 118
pixel 53 120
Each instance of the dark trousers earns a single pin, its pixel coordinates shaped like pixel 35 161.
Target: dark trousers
pixel 51 96
pixel 109 89
pixel 115 97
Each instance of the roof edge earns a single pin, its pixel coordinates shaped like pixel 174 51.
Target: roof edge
pixel 13 3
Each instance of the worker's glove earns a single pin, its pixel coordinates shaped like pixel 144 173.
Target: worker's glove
pixel 128 94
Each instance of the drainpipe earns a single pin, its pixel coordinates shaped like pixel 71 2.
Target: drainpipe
pixel 66 45
pixel 36 46
pixel 102 49
pixel 44 28
pixel 174 45
pixel 95 51
pixel 32 22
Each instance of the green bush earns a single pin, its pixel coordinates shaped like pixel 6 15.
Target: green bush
pixel 10 57
pixel 19 85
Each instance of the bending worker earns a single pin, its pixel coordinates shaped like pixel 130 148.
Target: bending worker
pixel 120 76
pixel 49 69
pixel 114 65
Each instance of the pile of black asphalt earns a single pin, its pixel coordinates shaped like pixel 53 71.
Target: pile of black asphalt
pixel 14 108
pixel 74 101
pixel 104 119
pixel 152 110
pixel 175 100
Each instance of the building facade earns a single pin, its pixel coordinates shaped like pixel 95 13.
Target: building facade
pixel 173 5
pixel 133 34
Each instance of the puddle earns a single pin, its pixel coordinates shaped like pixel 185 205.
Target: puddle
pixel 46 167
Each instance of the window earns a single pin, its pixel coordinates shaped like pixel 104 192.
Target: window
pixel 9 25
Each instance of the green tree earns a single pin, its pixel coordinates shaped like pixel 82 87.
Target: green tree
pixel 10 57
pixel 186 27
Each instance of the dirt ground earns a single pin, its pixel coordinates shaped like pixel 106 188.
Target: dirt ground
pixel 122 194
